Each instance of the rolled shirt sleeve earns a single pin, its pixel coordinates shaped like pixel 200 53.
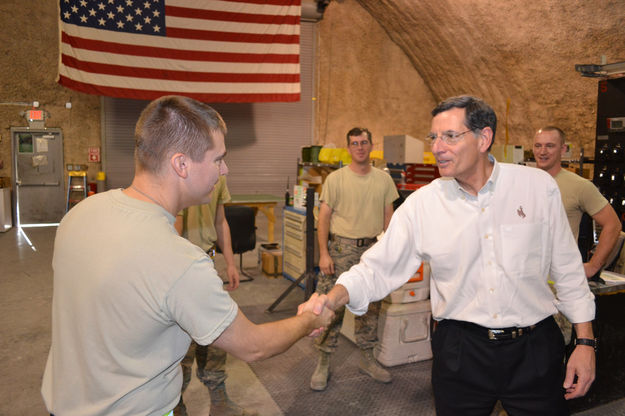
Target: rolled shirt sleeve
pixel 574 298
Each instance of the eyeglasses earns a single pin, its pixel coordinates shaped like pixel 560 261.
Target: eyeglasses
pixel 359 143
pixel 449 137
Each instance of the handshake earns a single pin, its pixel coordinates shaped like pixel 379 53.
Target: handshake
pixel 322 314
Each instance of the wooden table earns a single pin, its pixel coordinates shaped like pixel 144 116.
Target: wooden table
pixel 261 202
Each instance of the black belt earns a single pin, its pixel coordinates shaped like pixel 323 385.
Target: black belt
pixel 358 242
pixel 498 334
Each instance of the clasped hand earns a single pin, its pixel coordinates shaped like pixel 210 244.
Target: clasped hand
pixel 319 305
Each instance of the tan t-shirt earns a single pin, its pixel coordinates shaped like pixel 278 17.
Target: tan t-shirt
pixel 199 221
pixel 358 201
pixel 579 195
pixel 129 292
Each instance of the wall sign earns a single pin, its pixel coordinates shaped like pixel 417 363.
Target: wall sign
pixel 94 154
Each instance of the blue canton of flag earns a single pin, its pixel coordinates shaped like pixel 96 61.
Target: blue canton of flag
pixel 145 17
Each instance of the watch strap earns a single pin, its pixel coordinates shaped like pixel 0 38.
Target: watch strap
pixel 591 342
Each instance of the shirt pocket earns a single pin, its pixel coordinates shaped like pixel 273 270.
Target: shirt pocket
pixel 521 249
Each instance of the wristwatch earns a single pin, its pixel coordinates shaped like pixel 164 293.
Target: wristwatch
pixel 591 342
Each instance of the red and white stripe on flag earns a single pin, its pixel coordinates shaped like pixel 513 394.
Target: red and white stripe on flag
pixel 210 50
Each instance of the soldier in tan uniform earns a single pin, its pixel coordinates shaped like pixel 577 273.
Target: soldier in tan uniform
pixel 579 195
pixel 356 206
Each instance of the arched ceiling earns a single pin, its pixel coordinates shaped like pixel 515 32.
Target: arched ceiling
pixel 517 52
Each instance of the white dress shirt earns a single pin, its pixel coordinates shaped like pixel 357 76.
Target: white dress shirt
pixel 491 255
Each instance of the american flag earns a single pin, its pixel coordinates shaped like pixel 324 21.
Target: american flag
pixel 210 50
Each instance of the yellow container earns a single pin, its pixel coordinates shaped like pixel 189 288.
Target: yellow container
pixel 325 155
pixel 428 158
pixel 330 155
pixel 377 154
pixel 345 157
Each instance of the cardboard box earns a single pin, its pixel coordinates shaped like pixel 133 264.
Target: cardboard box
pixel 507 153
pixel 403 149
pixel 272 262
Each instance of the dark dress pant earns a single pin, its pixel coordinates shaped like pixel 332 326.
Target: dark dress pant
pixel 470 372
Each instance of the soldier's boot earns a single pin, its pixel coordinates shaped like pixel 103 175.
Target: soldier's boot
pixel 319 379
pixel 181 409
pixel 221 405
pixel 369 366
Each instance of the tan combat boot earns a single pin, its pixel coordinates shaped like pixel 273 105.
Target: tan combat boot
pixel 221 405
pixel 319 379
pixel 369 366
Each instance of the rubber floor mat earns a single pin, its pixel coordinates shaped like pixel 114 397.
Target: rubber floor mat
pixel 287 378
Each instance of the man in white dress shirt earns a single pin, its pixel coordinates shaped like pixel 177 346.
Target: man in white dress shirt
pixel 493 233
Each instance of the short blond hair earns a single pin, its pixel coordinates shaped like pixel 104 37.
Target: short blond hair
pixel 174 124
pixel 556 129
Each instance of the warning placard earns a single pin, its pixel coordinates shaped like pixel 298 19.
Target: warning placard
pixel 94 154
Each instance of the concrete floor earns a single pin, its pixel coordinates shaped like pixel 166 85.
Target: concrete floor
pixel 26 288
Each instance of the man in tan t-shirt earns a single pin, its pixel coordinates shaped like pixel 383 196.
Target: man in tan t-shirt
pixel 579 195
pixel 356 206
pixel 123 315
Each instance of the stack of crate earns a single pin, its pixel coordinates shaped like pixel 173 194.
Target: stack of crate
pixel 404 330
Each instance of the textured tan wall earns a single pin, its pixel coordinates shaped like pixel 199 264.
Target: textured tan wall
pixel 364 79
pixel 381 64
pixel 518 50
pixel 29 39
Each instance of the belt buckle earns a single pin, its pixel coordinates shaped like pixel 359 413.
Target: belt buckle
pixel 493 334
pixel 360 242
pixel 211 252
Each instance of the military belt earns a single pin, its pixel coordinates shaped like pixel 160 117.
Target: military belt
pixel 358 242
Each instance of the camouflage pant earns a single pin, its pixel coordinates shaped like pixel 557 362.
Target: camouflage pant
pixel 365 326
pixel 211 365
pixel 565 325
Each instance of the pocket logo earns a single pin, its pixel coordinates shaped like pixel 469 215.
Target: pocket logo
pixel 520 212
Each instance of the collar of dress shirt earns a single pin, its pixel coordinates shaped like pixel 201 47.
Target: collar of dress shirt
pixel 489 186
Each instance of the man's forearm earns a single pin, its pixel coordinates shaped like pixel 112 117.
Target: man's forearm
pixel 323 230
pixel 251 342
pixel 584 330
pixel 224 239
pixel 276 337
pixel 607 239
pixel 610 230
pixel 225 245
pixel 338 297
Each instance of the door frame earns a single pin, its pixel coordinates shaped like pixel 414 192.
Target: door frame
pixel 16 181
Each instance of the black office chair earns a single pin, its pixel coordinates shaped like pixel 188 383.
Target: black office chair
pixel 242 222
